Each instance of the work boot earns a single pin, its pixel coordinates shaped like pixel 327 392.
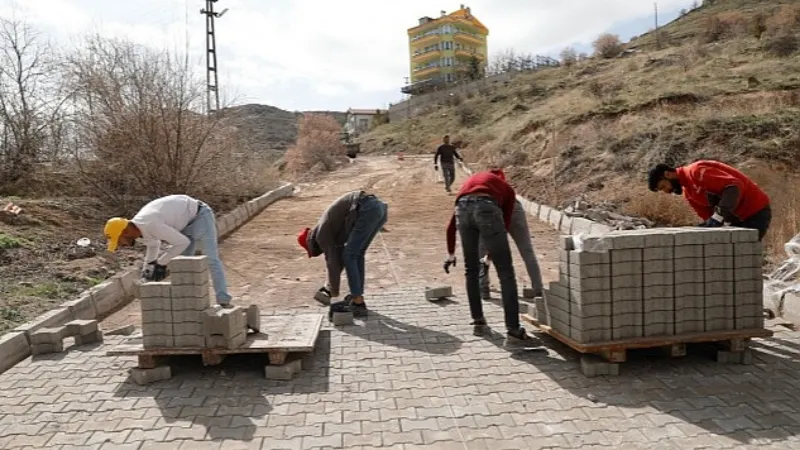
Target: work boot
pixel 519 334
pixel 323 296
pixel 358 309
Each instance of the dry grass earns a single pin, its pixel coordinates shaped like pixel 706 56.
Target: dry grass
pixel 663 209
pixel 318 145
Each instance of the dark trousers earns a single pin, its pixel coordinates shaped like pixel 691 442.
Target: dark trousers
pixel 449 173
pixel 480 218
pixel 759 221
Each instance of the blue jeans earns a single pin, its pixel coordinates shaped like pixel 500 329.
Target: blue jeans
pixel 372 215
pixel 204 229
pixel 481 219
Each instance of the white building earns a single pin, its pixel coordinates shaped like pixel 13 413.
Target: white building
pixel 360 121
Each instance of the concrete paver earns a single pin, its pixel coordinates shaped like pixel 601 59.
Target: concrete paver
pixel 412 375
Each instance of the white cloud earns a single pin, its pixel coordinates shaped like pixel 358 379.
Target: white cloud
pixel 318 53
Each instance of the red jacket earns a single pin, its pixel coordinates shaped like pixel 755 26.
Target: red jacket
pixel 703 179
pixel 487 183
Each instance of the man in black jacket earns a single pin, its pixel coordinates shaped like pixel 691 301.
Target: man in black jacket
pixel 447 153
pixel 343 234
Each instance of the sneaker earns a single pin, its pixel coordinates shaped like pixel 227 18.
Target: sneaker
pixel 323 296
pixel 226 305
pixel 519 334
pixel 479 322
pixel 358 309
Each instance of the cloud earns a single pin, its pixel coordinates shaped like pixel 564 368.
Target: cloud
pixel 318 53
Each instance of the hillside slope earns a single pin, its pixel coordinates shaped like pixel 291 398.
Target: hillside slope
pixel 710 90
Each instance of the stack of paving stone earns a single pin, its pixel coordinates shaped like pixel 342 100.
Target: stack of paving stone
pixel 51 340
pixel 176 313
pixel 656 282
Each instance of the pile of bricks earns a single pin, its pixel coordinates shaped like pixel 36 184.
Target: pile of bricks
pixel 656 282
pixel 177 313
pixel 51 340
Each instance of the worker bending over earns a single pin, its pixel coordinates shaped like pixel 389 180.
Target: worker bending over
pixel 446 153
pixel 483 211
pixel 719 194
pixel 343 234
pixel 180 221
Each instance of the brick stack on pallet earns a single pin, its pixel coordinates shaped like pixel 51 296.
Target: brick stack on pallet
pixel 656 282
pixel 177 313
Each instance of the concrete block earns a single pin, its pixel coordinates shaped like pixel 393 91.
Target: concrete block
pixel 719 301
pixel 82 307
pixel 589 323
pixel 438 292
pixel 626 255
pixel 14 347
pixel 651 317
pixel 658 329
pixel 623 320
pixel 190 303
pixel 719 312
pixel 624 307
pixel 48 335
pixel 566 224
pixel 191 291
pixel 590 336
pixel 227 323
pixel 698 235
pixel 284 371
pixel 626 281
pixel 689 302
pixel 652 281
pixel 43 349
pixel 626 268
pixel 107 296
pixel 749 248
pixel 52 318
pixel 719 275
pixel 81 327
pixel 539 303
pixel 558 290
pixel 728 357
pixel 653 303
pixel 147 376
pixel 557 315
pixel 187 328
pixel 155 290
pixel 544 213
pixel 528 293
pixel 626 294
pixel 594 366
pixel 577 258
pixel 658 254
pixel 254 318
pixel 720 324
pixel 658 266
pixel 718 287
pixel 688 289
pixel 689 264
pixel 719 262
pixel 748 274
pixel 189 264
pixel 566 243
pixel 157 316
pixel 157 329
pixel 189 341
pixel 689 315
pixel 683 277
pixel 555 219
pixel 718 250
pixel 581 226
pixel 187 316
pixel 688 251
pixel 599 228
pixel 157 341
pixel 589 297
pixel 590 310
pixel 748 286
pixel 189 278
pixel 590 284
pixel 90 338
pixel 752 298
pixel 585 271
pixel 749 323
pixel 230 343
pixel 658 239
pixel 624 240
pixel 559 326
pixel 129 281
pixel 126 330
pixel 741 235
pixel 627 332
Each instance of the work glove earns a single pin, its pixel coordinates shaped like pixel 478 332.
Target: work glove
pixel 155 272
pixel 713 222
pixel 450 261
pixel 435 167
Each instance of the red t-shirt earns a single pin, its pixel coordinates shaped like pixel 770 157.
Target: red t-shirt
pixel 702 178
pixel 486 183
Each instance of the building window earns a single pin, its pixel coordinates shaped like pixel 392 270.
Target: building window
pixel 363 124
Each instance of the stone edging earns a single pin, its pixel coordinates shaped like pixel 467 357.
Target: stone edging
pixel 116 292
pixel 556 218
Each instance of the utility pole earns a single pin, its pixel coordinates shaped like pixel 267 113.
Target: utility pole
pixel 658 34
pixel 212 75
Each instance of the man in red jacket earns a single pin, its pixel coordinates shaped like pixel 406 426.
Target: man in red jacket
pixel 483 212
pixel 719 194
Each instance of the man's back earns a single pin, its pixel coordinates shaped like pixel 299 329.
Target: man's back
pixel 175 211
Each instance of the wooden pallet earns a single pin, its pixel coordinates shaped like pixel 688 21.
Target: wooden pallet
pixel 280 336
pixel 617 351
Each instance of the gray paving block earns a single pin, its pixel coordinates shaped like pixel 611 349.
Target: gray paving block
pixel 225 322
pixel 155 290
pixel 147 376
pixel 627 320
pixel 658 329
pixel 719 301
pixel 557 315
pixel 557 289
pixel 626 281
pixel 191 291
pixel 689 236
pixel 627 332
pixel 716 235
pixel 51 336
pixel 189 340
pixel 566 242
pixel 589 297
pixel 590 284
pixel 749 298
pixel 689 302
pixel 557 302
pixel 719 262
pixel 254 318
pixel 626 255
pixel 725 275
pixel 748 286
pixel 748 273
pixel 688 251
pixel 658 279
pixel 82 307
pixel 590 323
pixel 584 271
pixel 626 294
pixel 156 316
pixel 689 289
pixel 721 324
pixel 189 278
pixel 590 310
pixel 689 264
pixel 189 264
pixel 652 253
pixel 189 316
pixel 689 327
pixel 126 330
pixel 230 343
pixel 544 213
pixel 718 287
pixel 190 303
pixel 540 309
pixel 749 323
pixel 187 328
pixel 14 347
pixel 626 268
pixel 717 250
pixel 555 219
pixel 580 225
pixel 589 336
pixel 653 304
pixel 658 266
pixel 157 341
pixel 719 312
pixel 81 327
pixel 740 235
pixel 90 338
pixel 748 310
pixel 559 326
pixel 155 304
pixel 588 258
pixel 690 315
pixel 284 371
pixel 594 366
pixel 659 239
pixel 157 329
pixel 689 277
pixel 619 307
pixel 665 317
pixel 566 224
pixel 439 292
pixel 623 240
pixel 658 292
pixel 43 349
pixel 53 318
pixel 749 248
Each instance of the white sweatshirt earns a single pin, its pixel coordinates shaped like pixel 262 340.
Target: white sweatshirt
pixel 162 220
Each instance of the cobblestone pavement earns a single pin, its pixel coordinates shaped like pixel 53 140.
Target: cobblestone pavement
pixel 412 375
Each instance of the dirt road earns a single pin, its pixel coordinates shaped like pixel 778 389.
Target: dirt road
pixel 265 266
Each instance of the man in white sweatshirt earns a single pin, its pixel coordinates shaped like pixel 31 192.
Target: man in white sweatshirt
pixel 180 221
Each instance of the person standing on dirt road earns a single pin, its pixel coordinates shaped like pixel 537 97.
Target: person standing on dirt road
pixel 180 221
pixel 718 193
pixel 344 233
pixel 446 153
pixel 521 234
pixel 483 210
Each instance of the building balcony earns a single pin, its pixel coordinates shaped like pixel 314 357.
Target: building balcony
pixel 426 71
pixel 424 56
pixel 423 86
pixel 467 38
pixel 425 40
pixel 467 54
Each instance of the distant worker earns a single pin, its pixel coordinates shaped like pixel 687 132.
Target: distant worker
pixel 344 233
pixel 446 153
pixel 180 221
pixel 484 207
pixel 719 194
pixel 521 234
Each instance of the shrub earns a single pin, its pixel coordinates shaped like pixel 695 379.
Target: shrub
pixel 713 29
pixel 785 19
pixel 782 46
pixel 608 46
pixel 467 116
pixel 569 56
pixel 663 209
pixel 317 144
pixel 758 26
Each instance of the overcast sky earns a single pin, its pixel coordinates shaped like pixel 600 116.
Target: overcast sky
pixel 329 54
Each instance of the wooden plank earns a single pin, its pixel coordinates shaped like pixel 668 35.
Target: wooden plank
pixel 284 333
pixel 650 342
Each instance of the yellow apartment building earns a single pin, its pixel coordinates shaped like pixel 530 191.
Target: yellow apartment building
pixel 446 49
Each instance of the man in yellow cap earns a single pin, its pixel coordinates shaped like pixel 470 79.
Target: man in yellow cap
pixel 180 221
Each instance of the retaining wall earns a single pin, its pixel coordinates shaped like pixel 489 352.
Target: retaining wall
pixel 116 292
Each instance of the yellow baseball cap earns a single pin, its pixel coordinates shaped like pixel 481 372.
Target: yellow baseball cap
pixel 113 231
